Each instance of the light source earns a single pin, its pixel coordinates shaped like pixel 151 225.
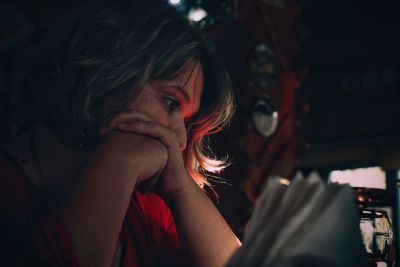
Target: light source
pixel 174 2
pixel 197 14
pixel 205 13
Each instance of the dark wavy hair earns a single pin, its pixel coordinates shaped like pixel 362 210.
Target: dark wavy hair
pixel 94 63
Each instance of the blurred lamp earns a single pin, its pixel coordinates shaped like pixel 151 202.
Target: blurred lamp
pixel 197 14
pixel 174 2
pixel 205 13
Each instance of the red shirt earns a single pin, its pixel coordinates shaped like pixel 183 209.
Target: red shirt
pixel 148 234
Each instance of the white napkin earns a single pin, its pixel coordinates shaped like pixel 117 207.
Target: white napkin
pixel 307 224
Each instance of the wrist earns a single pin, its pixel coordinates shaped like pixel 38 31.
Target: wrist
pixel 183 195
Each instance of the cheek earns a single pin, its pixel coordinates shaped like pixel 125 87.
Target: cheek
pixel 151 107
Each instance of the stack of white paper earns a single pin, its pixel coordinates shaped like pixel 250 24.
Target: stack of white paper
pixel 305 224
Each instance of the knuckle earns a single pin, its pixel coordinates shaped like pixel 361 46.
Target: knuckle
pixel 142 124
pixel 164 154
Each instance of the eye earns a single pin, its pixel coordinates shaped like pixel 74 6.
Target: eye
pixel 171 103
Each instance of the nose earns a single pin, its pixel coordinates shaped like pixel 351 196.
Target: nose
pixel 177 124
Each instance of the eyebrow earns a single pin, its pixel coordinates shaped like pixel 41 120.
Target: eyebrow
pixel 182 91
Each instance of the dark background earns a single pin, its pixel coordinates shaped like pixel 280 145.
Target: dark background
pixel 334 81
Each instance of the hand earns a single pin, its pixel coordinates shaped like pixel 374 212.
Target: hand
pixel 174 177
pixel 134 155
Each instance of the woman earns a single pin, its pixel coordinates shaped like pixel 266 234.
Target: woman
pixel 122 96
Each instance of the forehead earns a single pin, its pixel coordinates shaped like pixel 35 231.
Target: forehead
pixel 191 74
pixel 190 78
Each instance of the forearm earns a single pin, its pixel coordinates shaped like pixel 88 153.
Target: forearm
pixel 202 229
pixel 95 210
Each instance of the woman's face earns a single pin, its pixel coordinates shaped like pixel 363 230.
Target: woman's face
pixel 172 102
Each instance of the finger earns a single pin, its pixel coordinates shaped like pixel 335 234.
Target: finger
pixel 125 117
pixel 154 130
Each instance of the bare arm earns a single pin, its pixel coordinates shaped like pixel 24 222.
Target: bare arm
pixel 95 210
pixel 203 230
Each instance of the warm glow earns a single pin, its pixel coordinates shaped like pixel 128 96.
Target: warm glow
pixel 373 177
pixel 284 181
pixel 361 199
